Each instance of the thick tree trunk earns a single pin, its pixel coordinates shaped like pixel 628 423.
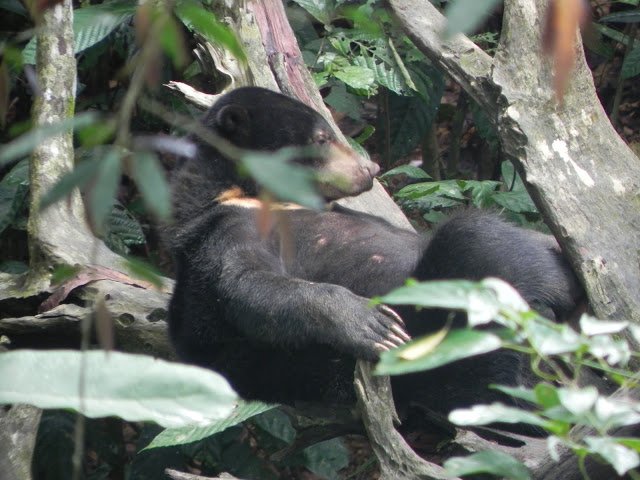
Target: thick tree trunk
pixel 581 175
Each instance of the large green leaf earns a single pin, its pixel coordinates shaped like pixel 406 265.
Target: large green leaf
pixel 196 18
pixel 286 181
pixel 101 194
pixel 496 463
pixel 150 179
pixel 411 116
pixel 631 64
pixel 479 301
pixel 179 436
pixel 426 354
pixel 24 144
pixel 133 387
pixel 91 24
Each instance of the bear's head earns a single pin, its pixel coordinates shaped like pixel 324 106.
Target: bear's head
pixel 255 118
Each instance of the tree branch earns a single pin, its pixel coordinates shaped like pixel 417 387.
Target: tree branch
pixel 581 175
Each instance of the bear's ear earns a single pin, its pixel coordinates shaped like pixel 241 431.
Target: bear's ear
pixel 230 118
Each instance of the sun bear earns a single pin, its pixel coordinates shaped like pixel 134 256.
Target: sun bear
pixel 283 314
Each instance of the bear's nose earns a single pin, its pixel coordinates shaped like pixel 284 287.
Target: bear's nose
pixel 372 168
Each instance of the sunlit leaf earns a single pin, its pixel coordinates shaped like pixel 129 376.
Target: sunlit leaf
pixel 592 326
pixel 182 435
pixel 458 344
pixel 496 412
pixel 621 458
pixel 552 340
pixel 493 462
pixel 578 400
pixel 480 302
pixel 356 77
pixel 133 387
pixel 616 412
pixel 517 392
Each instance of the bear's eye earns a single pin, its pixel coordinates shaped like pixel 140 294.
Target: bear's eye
pixel 321 138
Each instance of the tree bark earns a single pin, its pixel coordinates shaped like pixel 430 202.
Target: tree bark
pixel 581 175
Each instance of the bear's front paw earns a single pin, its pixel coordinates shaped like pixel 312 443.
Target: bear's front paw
pixel 365 332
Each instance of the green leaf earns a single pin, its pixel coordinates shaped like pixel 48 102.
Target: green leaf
pixel 356 77
pixel 493 462
pixel 24 144
pixel 196 18
pixel 101 193
pixel 517 392
pixel 592 326
pixel 149 177
pixel 552 339
pixel 326 458
pixel 631 64
pixel 91 24
pixel 242 411
pixel 80 176
pixel 13 193
pixel 277 424
pixel 448 188
pixel 466 15
pixel 628 442
pixel 630 16
pixel 578 401
pixel 621 458
pixel 479 301
pixel 133 387
pixel 172 41
pixel 407 170
pixel 516 201
pixel 546 395
pixel 458 344
pixel 122 230
pixel 411 116
pixel 494 413
pixel 14 6
pixel 269 170
pixel 321 10
pixel 142 270
pixel 616 412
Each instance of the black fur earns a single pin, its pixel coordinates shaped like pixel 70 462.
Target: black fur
pixel 283 312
